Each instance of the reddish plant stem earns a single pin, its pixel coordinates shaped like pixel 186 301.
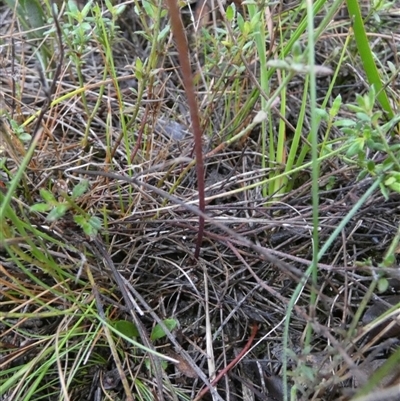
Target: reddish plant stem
pixel 183 53
pixel 140 135
pixel 224 371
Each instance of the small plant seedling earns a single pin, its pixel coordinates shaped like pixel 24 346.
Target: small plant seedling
pixel 57 208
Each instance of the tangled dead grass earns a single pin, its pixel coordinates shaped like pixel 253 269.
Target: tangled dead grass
pixel 148 242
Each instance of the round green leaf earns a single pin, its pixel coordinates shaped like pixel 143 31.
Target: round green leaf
pixel 158 331
pixel 126 328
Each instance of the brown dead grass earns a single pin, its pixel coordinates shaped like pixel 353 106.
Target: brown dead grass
pixel 150 242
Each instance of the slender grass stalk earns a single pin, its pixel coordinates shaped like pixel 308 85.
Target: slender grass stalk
pixel 360 310
pixel 367 57
pixel 308 272
pixel 276 151
pixel 294 159
pixel 328 16
pixel 105 46
pixel 281 153
pixel 145 73
pixel 4 207
pixel 257 16
pixel 314 157
pixel 313 269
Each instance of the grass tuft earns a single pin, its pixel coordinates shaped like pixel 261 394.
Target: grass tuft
pixel 205 211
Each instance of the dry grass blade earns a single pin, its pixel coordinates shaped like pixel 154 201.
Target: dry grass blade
pixel 102 295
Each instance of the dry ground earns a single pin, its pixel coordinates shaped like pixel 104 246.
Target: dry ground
pixel 148 242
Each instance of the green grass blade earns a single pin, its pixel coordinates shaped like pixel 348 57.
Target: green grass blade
pixel 367 57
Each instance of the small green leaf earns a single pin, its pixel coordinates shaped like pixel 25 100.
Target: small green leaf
pixel 80 189
pixel 335 106
pixel 356 147
pixel 348 131
pixel 57 212
pixel 246 28
pixel 395 187
pixel 138 68
pixel 85 27
pixel 255 22
pixel 308 372
pixel 80 220
pixel 355 109
pixel 41 207
pixel 383 284
pixel 375 145
pixel 388 164
pixel 362 175
pixel 363 117
pixel 376 116
pixel 331 183
pixel 34 13
pixel 149 8
pixel 47 196
pixel 384 190
pixel 84 224
pixel 361 101
pixel 163 34
pixel 24 137
pixel 345 122
pixel 72 8
pixel 240 22
pixel 392 67
pixel 120 9
pixel 371 166
pixel 158 331
pixel 389 181
pixel 89 226
pixel 296 49
pixel 86 9
pixel 95 222
pixel 110 6
pixel 371 97
pixel 322 114
pixel 127 328
pixel 281 64
pixel 389 260
pixel 230 12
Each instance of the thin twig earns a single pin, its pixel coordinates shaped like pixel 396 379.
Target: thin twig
pixel 224 371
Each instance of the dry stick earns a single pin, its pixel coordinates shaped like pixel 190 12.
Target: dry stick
pixel 183 53
pixel 224 371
